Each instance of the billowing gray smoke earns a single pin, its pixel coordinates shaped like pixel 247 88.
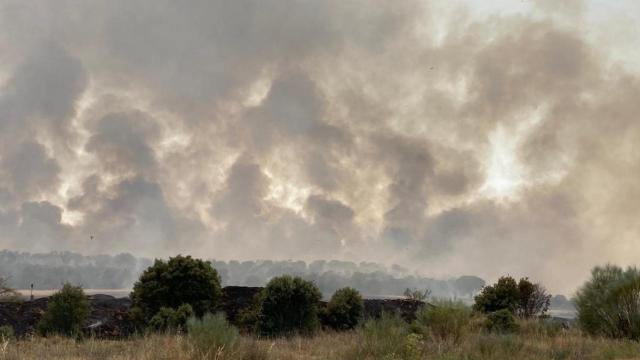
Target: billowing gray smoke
pixel 403 132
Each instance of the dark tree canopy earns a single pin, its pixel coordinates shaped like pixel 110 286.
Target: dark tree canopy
pixel 533 299
pixel 502 295
pixel 345 309
pixel 522 298
pixel 289 305
pixel 181 280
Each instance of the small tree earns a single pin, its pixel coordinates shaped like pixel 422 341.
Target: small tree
pixel 533 299
pixel 502 295
pixel 289 305
pixel 66 313
pixel 345 309
pixel 523 298
pixel 609 303
pixel 418 295
pixel 170 284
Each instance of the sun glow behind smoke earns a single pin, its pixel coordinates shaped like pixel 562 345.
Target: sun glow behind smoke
pixel 504 172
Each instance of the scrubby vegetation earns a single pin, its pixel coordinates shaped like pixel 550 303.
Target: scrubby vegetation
pixel 609 303
pixel 506 322
pixel 212 337
pixel 289 305
pixel 170 284
pixel 444 320
pixel 66 312
pixel 344 311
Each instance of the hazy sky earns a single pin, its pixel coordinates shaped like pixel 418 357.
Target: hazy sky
pixel 452 137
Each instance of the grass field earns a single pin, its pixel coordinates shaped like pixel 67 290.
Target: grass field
pixel 533 341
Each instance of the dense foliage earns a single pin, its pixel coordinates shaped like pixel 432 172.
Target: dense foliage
pixel 502 321
pixel 289 305
pixel 344 310
pixel 66 313
pixel 168 319
pixel 522 298
pixel 170 284
pixel 609 303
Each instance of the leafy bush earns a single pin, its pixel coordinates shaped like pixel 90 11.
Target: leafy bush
pixel 212 337
pixel 444 320
pixel 6 332
pixel 289 305
pixel 502 321
pixel 168 319
pixel 523 298
pixel 181 280
pixel 609 303
pixel 66 312
pixel 345 309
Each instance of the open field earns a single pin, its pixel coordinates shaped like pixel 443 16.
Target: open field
pixel 532 342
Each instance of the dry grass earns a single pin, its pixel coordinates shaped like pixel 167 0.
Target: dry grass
pixel 533 342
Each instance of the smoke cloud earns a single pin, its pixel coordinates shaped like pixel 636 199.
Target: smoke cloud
pixel 414 132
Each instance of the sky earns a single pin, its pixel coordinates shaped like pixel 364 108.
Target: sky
pixel 450 137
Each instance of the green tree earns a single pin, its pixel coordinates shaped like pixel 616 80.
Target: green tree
pixel 609 303
pixel 502 295
pixel 533 299
pixel 345 309
pixel 170 284
pixel 522 298
pixel 66 313
pixel 289 305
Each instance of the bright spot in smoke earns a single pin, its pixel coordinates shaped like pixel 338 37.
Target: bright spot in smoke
pixel 504 172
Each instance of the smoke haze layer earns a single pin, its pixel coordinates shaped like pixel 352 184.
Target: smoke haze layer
pixel 451 139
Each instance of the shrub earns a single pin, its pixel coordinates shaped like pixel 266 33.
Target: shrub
pixel 502 321
pixel 502 295
pixel 522 298
pixel 181 280
pixel 445 320
pixel 289 305
pixel 387 337
pixel 66 312
pixel 6 332
pixel 344 311
pixel 168 319
pixel 609 303
pixel 212 336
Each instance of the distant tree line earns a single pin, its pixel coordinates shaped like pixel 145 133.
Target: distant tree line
pixel 51 270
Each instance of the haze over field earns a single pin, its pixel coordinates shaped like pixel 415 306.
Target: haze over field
pixel 451 137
